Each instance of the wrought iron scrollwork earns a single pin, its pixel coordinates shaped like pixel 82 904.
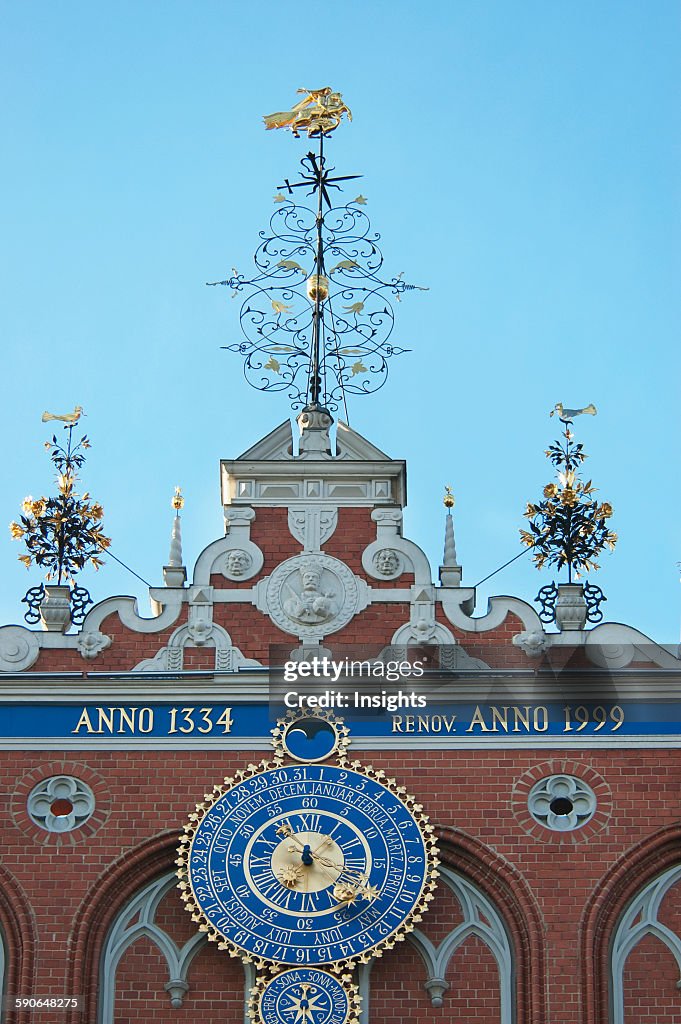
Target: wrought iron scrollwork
pixel 317 316
pixel 547 598
pixel 33 598
pixel 594 598
pixel 80 599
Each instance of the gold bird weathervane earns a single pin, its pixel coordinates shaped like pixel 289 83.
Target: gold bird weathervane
pixel 320 112
pixel 316 333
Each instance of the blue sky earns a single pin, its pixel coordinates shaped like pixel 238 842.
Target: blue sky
pixel 520 158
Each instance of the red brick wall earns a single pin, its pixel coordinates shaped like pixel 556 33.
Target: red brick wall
pixel 651 974
pixel 541 886
pixel 216 988
pixel 397 992
pixel 473 996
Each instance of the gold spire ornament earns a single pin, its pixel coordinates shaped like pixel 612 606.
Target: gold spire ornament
pixel 319 112
pixel 448 500
pixel 177 500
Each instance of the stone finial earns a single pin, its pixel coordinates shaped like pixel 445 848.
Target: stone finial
pixel 314 423
pixel 174 573
pixel 450 570
pixel 175 556
pixel 449 559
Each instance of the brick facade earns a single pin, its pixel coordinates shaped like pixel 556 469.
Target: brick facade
pixel 559 895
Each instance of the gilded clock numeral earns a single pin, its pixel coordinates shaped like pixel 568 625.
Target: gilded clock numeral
pixel 309 822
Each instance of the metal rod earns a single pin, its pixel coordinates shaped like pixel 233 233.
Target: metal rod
pixel 315 376
pixel 514 559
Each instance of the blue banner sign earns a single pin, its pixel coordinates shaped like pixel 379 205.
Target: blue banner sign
pixel 487 719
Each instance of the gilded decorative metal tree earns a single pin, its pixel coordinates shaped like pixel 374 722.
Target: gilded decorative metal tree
pixel 62 534
pixel 316 315
pixel 569 527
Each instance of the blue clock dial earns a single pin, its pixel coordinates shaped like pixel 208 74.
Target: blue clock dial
pixel 309 864
pixel 305 995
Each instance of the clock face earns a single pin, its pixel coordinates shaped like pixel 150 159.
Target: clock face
pixel 309 864
pixel 305 995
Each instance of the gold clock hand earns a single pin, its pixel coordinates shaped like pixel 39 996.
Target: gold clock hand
pixel 355 884
pixel 325 842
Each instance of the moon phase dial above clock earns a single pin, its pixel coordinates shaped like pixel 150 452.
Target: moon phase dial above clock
pixel 308 864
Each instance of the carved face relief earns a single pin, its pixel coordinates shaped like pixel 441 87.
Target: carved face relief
pixel 237 563
pixel 311 595
pixel 387 562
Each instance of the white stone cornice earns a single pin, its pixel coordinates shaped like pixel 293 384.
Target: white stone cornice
pixel 168 600
pixel 453 601
pixel 313 481
pixel 614 645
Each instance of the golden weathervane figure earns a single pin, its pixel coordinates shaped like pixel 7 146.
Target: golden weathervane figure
pixel 321 110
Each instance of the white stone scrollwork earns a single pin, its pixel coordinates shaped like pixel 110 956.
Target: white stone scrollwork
pixel 312 526
pixel 389 538
pixel 92 643
pixel 171 658
pixel 310 596
pixel 19 648
pixel 235 556
pixel 532 642
pixel 422 627
pixel 200 631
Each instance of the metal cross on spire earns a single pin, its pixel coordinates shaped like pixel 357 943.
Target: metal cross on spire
pixel 315 330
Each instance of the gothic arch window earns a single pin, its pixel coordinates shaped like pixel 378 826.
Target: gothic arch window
pixel 480 919
pixel 137 919
pixel 641 920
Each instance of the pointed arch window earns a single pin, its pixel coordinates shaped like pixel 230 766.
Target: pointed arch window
pixel 135 920
pixel 639 920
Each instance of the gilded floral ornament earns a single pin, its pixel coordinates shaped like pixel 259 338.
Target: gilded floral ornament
pixel 62 533
pixel 568 527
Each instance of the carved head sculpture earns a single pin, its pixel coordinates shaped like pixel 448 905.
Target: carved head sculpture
pixel 387 562
pixel 310 577
pixel 238 562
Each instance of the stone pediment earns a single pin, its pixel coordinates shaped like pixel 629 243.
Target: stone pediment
pixel 351 445
pixel 278 445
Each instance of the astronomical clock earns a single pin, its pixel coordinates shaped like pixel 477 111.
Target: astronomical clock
pixel 305 866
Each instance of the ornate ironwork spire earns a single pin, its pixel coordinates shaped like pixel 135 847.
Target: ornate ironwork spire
pixel 316 316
